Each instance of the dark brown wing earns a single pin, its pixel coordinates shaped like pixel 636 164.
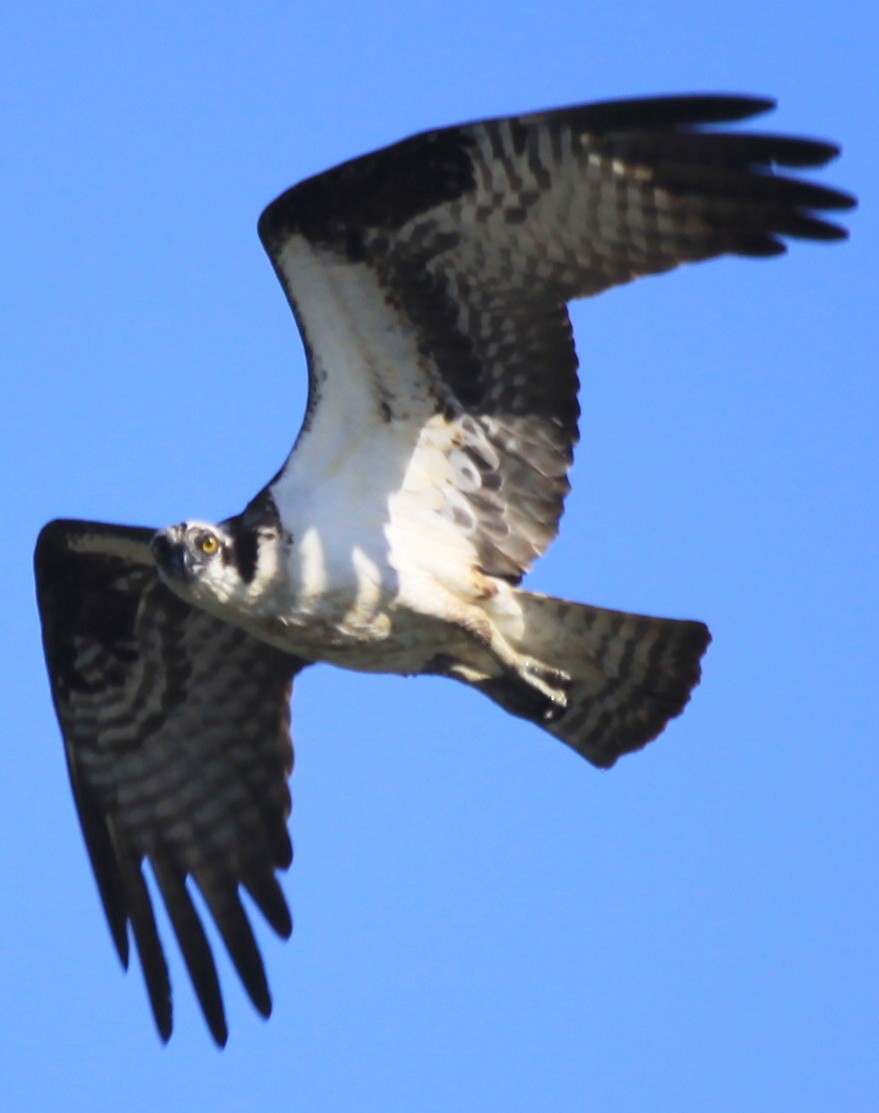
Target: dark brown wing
pixel 438 269
pixel 177 732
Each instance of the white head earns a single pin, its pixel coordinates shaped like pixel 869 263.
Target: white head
pixel 228 566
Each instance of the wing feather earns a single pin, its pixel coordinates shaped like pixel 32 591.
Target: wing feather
pixel 429 280
pixel 177 731
pixel 194 945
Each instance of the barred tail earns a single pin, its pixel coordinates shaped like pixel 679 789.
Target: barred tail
pixel 629 674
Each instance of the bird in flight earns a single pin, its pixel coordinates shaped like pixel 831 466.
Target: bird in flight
pixel 429 281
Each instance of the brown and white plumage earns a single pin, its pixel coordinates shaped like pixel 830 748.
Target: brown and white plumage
pixel 177 731
pixel 430 283
pixel 457 250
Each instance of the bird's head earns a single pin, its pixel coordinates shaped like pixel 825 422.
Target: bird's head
pixel 218 566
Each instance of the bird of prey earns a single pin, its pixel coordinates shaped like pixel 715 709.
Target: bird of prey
pixel 429 281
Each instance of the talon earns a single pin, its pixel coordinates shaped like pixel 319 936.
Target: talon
pixel 550 682
pixel 554 712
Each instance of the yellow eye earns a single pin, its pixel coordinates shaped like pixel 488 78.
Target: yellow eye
pixel 208 544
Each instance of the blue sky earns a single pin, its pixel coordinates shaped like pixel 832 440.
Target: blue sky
pixel 483 921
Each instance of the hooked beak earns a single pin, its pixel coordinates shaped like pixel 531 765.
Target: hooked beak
pixel 171 554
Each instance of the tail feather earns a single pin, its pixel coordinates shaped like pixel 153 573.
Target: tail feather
pixel 629 674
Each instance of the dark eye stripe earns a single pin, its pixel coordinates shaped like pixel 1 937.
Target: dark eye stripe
pixel 241 549
pixel 245 554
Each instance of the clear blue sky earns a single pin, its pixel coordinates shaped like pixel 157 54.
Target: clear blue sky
pixel 483 922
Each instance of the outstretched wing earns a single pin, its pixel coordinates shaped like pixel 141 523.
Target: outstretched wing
pixel 429 281
pixel 177 732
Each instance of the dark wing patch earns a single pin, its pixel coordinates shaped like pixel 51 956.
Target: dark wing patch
pixel 381 190
pixel 177 732
pixel 479 234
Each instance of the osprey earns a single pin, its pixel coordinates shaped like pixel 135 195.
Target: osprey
pixel 429 281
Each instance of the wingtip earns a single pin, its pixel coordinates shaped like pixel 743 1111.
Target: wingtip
pixel 163 1015
pixel 219 1031
pixel 119 934
pixel 216 1026
pixel 742 106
